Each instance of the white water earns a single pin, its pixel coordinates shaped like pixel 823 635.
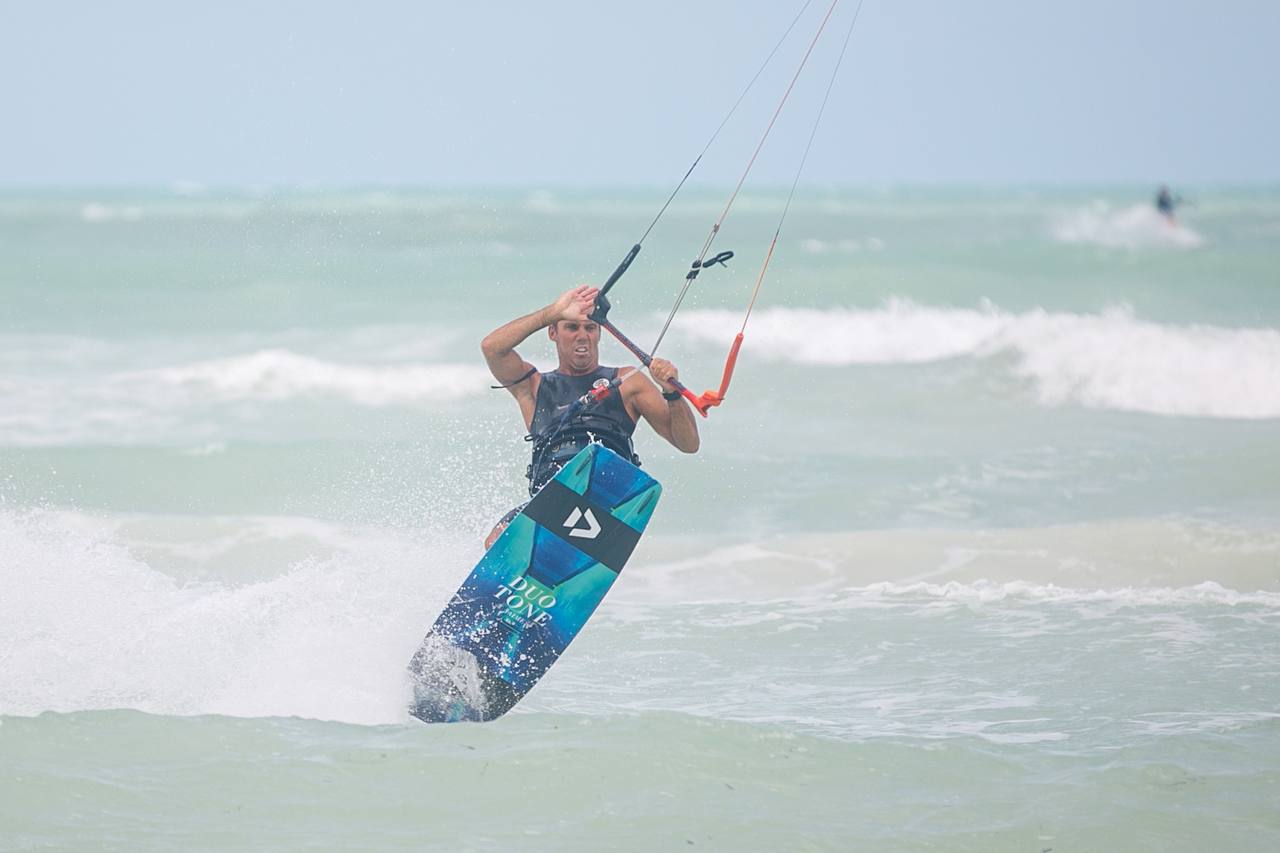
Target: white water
pixel 1138 226
pixel 1112 360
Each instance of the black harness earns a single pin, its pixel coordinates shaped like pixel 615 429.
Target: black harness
pixel 566 419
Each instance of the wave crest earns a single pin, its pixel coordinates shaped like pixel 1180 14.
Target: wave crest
pixel 1108 360
pixel 279 374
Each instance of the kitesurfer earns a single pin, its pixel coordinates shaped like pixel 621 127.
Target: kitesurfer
pixel 1167 203
pixel 545 397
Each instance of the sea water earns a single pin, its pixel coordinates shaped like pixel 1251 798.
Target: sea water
pixel 981 552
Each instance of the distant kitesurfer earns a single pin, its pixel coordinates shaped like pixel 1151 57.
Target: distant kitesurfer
pixel 1166 203
pixel 544 397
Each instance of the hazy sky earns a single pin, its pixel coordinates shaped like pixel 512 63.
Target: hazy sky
pixel 609 93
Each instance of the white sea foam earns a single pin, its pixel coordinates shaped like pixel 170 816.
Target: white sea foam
pixel 1135 227
pixel 542 201
pixel 847 246
pixel 65 389
pixel 900 332
pixel 210 449
pixel 1131 560
pixel 188 188
pixel 85 623
pixel 256 616
pixel 279 374
pixel 1110 360
pixel 95 212
pixel 987 592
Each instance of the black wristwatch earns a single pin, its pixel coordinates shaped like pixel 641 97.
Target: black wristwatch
pixel 671 396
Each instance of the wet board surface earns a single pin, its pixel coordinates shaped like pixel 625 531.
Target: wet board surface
pixel 533 590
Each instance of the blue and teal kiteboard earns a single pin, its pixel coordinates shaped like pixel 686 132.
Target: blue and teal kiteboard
pixel 533 590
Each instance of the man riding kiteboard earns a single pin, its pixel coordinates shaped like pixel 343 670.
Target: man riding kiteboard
pixel 545 398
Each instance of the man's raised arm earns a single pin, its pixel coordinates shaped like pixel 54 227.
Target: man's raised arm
pixel 499 346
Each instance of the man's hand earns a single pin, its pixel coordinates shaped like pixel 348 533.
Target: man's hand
pixel 663 372
pixel 671 419
pixel 576 304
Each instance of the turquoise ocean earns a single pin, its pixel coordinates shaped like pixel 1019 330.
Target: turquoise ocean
pixel 982 553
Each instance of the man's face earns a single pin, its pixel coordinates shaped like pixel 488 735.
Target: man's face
pixel 577 345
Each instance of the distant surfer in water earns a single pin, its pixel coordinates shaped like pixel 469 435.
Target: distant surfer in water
pixel 1166 203
pixel 545 397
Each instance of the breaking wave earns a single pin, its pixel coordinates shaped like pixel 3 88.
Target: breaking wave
pixel 1109 360
pixel 278 374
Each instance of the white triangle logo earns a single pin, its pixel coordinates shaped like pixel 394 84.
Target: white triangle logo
pixel 591 531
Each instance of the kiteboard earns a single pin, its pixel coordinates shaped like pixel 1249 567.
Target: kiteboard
pixel 533 590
